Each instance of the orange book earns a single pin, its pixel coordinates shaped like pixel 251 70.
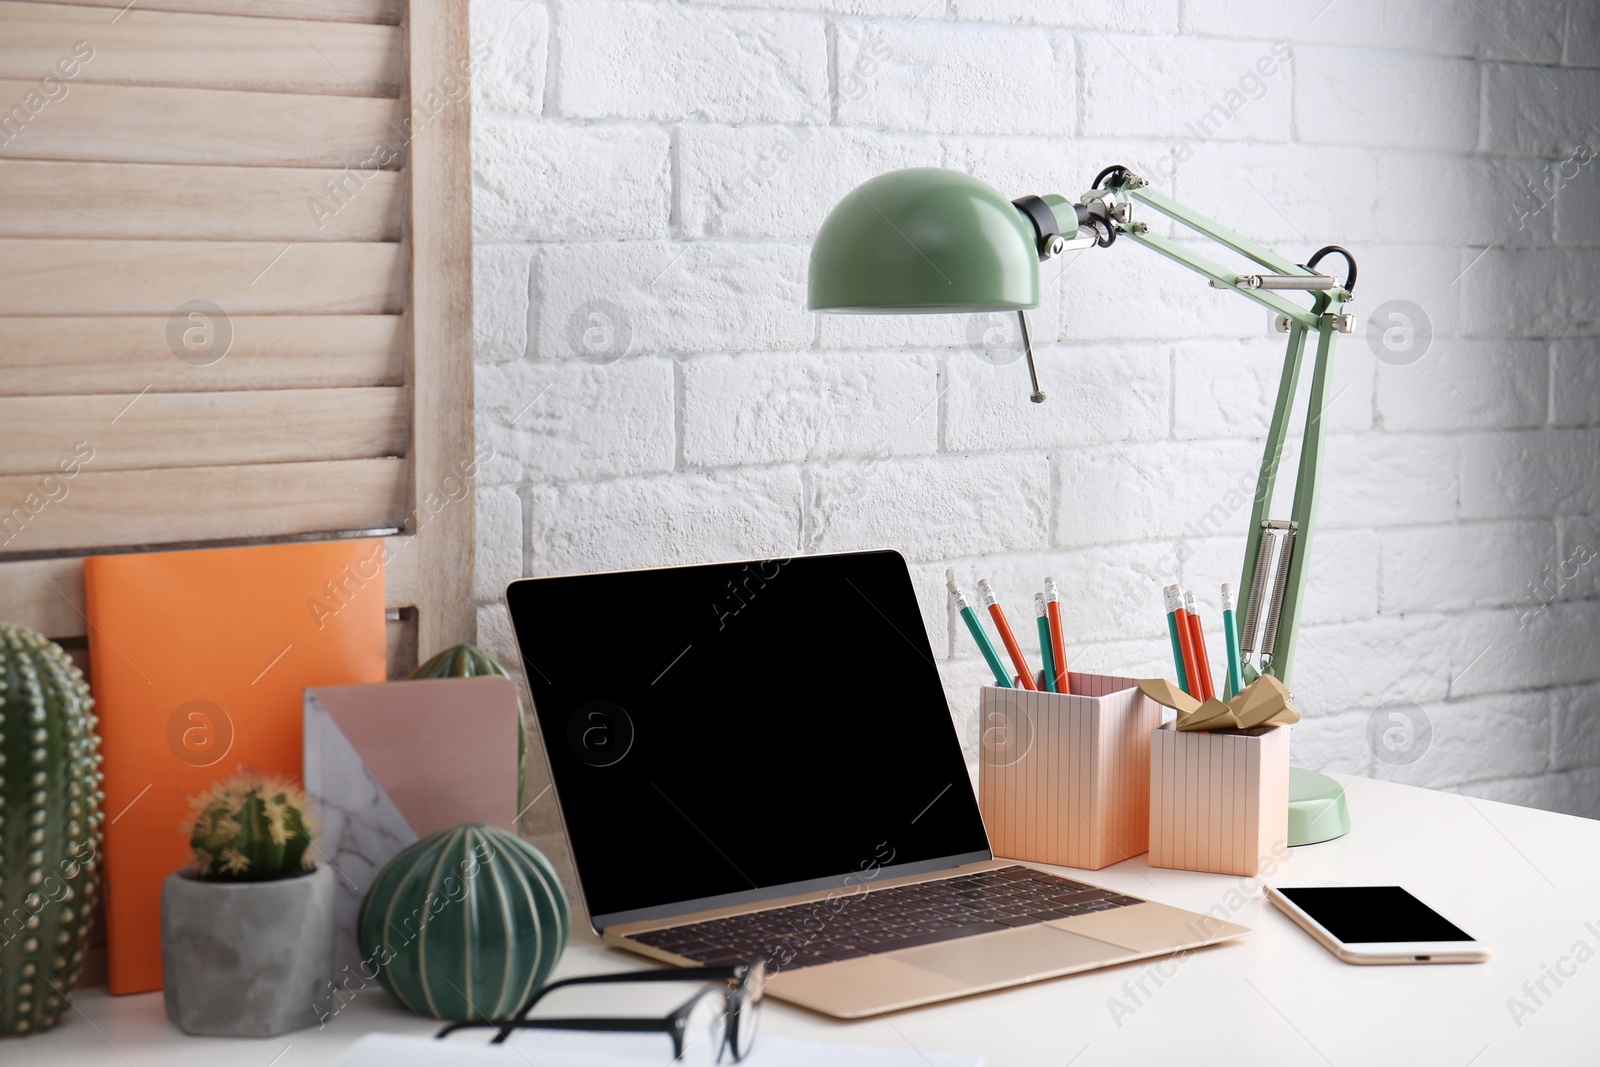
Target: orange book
pixel 198 662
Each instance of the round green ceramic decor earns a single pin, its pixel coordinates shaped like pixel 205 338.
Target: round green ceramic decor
pixel 465 924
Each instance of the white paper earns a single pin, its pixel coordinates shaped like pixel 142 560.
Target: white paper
pixel 568 1048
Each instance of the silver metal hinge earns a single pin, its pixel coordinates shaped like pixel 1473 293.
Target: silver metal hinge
pixel 1317 282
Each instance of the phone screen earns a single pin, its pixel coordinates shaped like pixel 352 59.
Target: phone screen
pixel 1365 913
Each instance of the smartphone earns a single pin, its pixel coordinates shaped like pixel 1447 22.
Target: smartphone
pixel 1376 924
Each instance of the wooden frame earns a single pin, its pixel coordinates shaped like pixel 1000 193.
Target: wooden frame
pixel 438 47
pixel 385 286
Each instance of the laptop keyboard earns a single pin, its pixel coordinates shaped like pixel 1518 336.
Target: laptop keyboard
pixel 905 916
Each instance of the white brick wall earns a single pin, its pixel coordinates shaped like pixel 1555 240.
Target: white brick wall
pixel 647 178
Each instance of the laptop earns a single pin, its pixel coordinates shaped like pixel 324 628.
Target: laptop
pixel 756 760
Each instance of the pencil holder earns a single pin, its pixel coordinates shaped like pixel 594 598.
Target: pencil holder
pixel 1219 799
pixel 1065 778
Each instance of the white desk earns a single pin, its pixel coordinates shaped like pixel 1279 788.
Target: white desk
pixel 1526 882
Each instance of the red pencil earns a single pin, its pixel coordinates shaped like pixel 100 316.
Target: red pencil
pixel 1185 641
pixel 1058 641
pixel 1202 660
pixel 1024 672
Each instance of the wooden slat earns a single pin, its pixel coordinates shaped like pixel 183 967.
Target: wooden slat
pixel 130 123
pixel 47 594
pixel 143 47
pixel 153 507
pixel 124 354
pixel 374 11
pixel 116 200
pixel 400 578
pixel 102 432
pixel 441 317
pixel 81 277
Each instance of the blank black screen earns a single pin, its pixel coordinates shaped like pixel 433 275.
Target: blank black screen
pixel 1358 914
pixel 718 729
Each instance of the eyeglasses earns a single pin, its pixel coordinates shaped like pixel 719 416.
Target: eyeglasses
pixel 716 1025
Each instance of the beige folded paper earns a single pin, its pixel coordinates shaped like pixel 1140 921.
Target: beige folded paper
pixel 1264 702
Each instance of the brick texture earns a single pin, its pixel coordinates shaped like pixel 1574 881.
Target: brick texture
pixel 651 389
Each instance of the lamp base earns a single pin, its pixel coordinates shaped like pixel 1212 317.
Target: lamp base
pixel 1317 811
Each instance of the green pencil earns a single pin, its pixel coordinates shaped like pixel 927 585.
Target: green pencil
pixel 1174 600
pixel 1001 678
pixel 1230 634
pixel 1045 647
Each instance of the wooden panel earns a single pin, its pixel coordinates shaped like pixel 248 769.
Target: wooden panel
pixel 79 277
pixel 197 504
pixel 124 354
pixel 377 11
pixel 400 576
pixel 47 594
pixel 144 47
pixel 113 200
pixel 126 123
pixel 111 432
pixel 441 316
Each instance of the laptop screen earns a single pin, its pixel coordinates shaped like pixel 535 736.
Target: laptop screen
pixel 723 734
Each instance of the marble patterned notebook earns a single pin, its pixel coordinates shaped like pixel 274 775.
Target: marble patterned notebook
pixel 386 765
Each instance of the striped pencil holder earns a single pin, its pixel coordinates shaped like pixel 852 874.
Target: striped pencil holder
pixel 1065 778
pixel 1219 799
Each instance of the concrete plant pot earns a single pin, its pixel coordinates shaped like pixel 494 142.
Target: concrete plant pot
pixel 247 959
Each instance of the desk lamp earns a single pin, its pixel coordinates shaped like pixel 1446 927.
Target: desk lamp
pixel 930 240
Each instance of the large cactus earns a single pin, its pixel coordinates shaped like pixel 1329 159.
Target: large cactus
pixel 250 829
pixel 49 828
pixel 469 661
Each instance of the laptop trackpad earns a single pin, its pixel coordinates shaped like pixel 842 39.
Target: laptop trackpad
pixel 1011 955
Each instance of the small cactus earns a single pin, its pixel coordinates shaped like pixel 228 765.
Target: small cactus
pixel 251 829
pixel 49 828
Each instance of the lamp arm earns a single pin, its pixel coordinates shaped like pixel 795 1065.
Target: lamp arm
pixel 1107 213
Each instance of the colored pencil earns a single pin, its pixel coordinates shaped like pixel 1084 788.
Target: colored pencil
pixel 1045 651
pixel 975 627
pixel 1179 634
pixel 1197 635
pixel 1058 640
pixel 1007 638
pixel 1230 635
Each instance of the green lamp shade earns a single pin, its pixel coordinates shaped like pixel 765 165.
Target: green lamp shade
pixel 924 240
